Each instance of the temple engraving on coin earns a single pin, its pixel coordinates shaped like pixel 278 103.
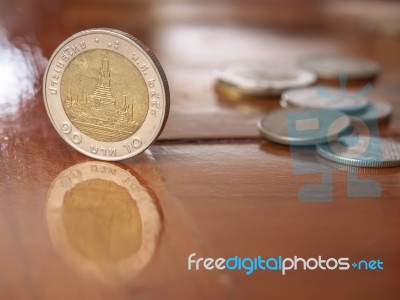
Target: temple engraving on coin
pixel 106 109
pixel 107 102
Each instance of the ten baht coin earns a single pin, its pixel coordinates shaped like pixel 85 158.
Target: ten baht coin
pixel 106 94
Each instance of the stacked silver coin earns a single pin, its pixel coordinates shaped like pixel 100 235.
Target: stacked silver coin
pixel 384 152
pixel 262 78
pixel 328 118
pixel 341 124
pixel 298 127
pixel 330 67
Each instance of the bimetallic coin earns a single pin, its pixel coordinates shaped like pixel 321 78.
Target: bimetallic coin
pixel 375 112
pixel 103 221
pixel 330 67
pixel 298 127
pixel 106 94
pixel 325 98
pixel 363 151
pixel 260 78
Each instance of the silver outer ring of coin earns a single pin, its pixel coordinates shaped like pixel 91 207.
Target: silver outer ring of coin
pixel 278 116
pixel 328 66
pixel 387 160
pixel 102 38
pixel 308 98
pixel 151 222
pixel 230 74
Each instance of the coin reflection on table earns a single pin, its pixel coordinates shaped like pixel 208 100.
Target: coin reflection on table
pixel 102 221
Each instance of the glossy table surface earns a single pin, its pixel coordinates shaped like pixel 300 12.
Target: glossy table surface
pixel 211 185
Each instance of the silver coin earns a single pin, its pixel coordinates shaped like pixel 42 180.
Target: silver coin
pixel 300 127
pixel 325 98
pixel 284 104
pixel 349 168
pixel 260 78
pixel 363 151
pixel 381 17
pixel 106 94
pixel 330 67
pixel 374 112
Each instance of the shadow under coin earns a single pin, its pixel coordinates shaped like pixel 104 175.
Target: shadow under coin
pixel 102 221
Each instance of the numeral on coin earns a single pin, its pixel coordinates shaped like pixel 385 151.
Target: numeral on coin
pixel 66 128
pixel 136 143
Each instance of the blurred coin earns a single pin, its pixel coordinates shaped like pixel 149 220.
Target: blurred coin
pixel 375 111
pixel 352 169
pixel 103 221
pixel 363 151
pixel 106 94
pixel 300 127
pixel 380 17
pixel 234 93
pixel 330 67
pixel 325 98
pixel 284 104
pixel 260 78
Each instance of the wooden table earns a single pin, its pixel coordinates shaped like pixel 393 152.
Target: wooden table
pixel 220 189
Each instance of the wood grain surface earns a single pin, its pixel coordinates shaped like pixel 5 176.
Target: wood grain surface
pixel 220 189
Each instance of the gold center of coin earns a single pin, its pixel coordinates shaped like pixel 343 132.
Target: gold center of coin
pixel 102 221
pixel 104 95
